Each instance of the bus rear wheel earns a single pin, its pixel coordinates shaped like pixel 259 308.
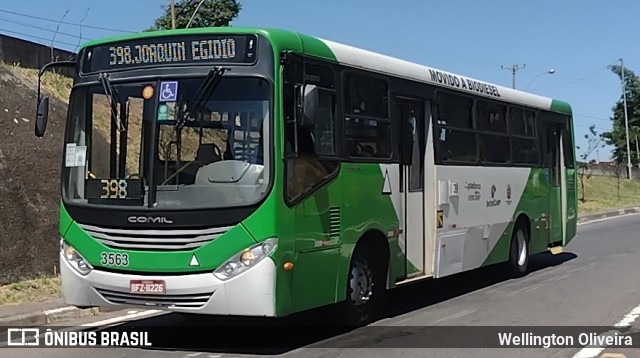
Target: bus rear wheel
pixel 365 287
pixel 519 251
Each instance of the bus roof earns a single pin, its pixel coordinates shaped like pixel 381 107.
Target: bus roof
pixel 355 57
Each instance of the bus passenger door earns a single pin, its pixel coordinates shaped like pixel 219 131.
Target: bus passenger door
pixel 410 115
pixel 554 167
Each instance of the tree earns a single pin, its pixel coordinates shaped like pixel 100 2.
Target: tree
pixel 211 13
pixel 618 169
pixel 617 137
pixel 594 141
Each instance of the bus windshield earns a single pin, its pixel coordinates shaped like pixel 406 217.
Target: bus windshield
pixel 165 145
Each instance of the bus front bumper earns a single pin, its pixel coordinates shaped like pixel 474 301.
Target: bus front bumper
pixel 251 293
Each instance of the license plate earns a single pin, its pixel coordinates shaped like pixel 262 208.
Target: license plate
pixel 147 287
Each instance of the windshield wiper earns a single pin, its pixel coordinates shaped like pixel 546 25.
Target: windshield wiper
pixel 202 93
pixel 112 94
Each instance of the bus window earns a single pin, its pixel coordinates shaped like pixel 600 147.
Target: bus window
pixel 367 123
pixel 525 151
pixel 491 117
pixel 455 145
pixel 324 132
pixel 316 158
pixel 365 96
pixel 568 145
pixel 368 137
pixel 455 111
pixel 521 122
pixel 495 148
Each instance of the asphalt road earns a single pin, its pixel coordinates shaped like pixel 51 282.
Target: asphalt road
pixel 594 283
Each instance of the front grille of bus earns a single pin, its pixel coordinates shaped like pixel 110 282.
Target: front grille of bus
pixel 154 240
pixel 195 300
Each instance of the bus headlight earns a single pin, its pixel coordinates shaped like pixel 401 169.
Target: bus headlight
pixel 245 259
pixel 74 258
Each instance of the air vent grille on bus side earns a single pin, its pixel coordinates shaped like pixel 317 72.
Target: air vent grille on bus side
pixel 334 223
pixel 154 240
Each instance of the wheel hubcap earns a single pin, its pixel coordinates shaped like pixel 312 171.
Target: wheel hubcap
pixel 522 248
pixel 361 283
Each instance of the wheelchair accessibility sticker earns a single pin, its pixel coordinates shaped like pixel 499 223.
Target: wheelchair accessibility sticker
pixel 169 91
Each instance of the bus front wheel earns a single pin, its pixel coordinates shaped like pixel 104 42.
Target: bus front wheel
pixel 365 287
pixel 519 251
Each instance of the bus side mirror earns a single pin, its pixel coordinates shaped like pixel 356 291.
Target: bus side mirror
pixel 310 106
pixel 42 115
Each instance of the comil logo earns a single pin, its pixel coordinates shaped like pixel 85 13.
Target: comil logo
pixel 23 337
pixel 149 220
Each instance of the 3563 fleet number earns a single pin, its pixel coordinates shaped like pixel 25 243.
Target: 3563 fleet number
pixel 114 259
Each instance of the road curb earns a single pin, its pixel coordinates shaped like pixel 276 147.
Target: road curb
pixel 57 315
pixel 608 214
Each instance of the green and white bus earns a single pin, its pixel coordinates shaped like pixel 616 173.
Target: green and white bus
pixel 262 172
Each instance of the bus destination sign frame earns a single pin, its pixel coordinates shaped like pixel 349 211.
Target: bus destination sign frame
pixel 170 50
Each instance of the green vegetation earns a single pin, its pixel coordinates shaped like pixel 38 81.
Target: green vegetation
pixel 601 194
pixel 57 85
pixel 617 137
pixel 208 13
pixel 37 290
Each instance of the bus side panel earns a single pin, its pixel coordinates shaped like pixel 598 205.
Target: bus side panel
pixel 572 204
pixel 317 241
pixel 477 215
pixel 323 250
pixel 368 207
pixel 476 229
pixel 533 203
pixel 571 176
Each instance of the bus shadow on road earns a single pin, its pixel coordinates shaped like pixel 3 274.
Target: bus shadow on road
pixel 267 336
pixel 424 294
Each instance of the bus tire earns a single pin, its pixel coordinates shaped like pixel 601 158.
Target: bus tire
pixel 519 251
pixel 365 287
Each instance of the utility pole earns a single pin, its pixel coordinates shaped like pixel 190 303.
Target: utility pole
pixel 626 120
pixel 173 15
pixel 637 151
pixel 513 70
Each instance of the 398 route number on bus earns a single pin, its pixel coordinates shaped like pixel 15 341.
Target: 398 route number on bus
pixel 114 189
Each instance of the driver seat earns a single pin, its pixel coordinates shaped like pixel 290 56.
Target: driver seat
pixel 208 153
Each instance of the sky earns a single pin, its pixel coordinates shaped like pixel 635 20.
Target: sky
pixel 478 39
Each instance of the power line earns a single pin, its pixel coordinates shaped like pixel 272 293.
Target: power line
pixel 64 22
pixel 592 117
pixel 36 37
pixel 589 126
pixel 578 80
pixel 42 28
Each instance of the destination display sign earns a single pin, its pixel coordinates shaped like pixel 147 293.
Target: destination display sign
pixel 154 51
pixel 114 191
